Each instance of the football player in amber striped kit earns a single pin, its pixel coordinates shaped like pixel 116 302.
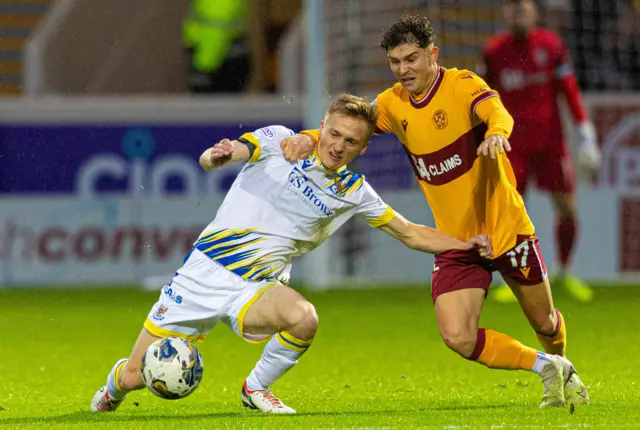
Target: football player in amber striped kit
pixel 454 130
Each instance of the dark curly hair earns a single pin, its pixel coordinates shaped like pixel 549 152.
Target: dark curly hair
pixel 408 29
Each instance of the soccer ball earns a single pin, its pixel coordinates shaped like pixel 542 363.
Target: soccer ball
pixel 172 368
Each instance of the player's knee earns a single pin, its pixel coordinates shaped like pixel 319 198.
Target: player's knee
pixel 130 378
pixel 545 323
pixel 459 340
pixel 302 321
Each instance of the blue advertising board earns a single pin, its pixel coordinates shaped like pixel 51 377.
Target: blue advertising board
pixel 145 159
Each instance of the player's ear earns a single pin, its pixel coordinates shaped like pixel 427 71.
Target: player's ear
pixel 364 148
pixel 321 129
pixel 434 54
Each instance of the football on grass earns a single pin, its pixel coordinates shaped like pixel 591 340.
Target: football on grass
pixel 172 368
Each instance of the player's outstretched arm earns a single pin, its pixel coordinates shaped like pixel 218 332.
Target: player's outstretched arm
pixel 430 240
pixel 484 103
pixel 224 152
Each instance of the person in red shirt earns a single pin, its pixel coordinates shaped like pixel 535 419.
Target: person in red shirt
pixel 530 68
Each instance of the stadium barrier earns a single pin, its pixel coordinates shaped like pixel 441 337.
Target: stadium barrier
pixel 109 191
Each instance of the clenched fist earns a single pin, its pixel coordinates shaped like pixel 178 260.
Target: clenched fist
pixel 297 147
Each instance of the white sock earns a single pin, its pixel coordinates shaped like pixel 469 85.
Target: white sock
pixel 112 387
pixel 542 360
pixel 280 354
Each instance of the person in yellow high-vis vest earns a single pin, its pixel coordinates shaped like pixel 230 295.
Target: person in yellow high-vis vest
pixel 214 33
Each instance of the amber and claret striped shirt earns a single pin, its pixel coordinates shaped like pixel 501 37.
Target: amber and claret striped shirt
pixel 468 194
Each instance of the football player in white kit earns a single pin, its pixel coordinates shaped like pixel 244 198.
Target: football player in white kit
pixel 238 270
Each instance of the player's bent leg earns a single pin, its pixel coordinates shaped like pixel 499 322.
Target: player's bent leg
pixel 281 308
pixel 458 313
pixel 180 311
pixel 536 303
pixel 566 232
pixel 130 377
pixel 124 377
pixel 286 314
pixel 459 284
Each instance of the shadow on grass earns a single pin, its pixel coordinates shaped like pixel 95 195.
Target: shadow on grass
pixel 90 417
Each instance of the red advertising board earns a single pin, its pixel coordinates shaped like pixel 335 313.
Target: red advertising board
pixel 618 127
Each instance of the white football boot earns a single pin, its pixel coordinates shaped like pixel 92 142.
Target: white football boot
pixel 101 401
pixel 263 400
pixel 575 392
pixel 554 375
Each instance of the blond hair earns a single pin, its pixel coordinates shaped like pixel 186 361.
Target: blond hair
pixel 355 107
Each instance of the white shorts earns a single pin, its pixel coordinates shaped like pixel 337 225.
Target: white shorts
pixel 201 293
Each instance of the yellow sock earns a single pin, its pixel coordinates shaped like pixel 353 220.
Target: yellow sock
pixel 499 351
pixel 557 342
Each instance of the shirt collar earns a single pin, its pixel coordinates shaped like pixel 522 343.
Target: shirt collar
pixel 315 159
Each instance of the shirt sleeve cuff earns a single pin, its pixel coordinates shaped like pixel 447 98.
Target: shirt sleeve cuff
pixel 383 219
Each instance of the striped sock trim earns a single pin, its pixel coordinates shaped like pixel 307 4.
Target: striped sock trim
pixel 480 342
pixel 117 375
pixel 293 343
pixel 542 360
pixel 113 387
pixel 558 326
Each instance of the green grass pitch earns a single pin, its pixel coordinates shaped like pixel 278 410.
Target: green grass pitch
pixel 377 361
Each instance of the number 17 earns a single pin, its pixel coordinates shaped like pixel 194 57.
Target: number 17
pixel 522 249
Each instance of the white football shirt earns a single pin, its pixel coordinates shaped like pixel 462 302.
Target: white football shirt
pixel 276 210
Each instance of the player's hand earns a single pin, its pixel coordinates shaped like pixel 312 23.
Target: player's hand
pixel 221 153
pixel 493 145
pixel 483 244
pixel 589 158
pixel 297 147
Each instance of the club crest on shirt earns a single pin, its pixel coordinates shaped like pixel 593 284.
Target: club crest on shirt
pixel 440 119
pixel 159 313
pixel 339 188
